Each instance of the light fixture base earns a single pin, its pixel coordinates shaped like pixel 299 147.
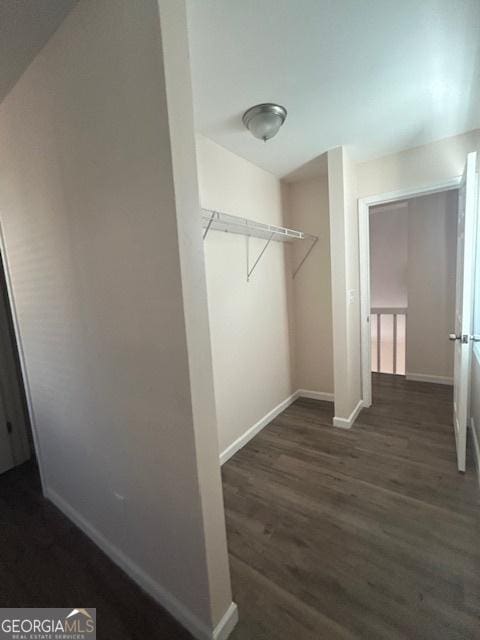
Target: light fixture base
pixel 264 120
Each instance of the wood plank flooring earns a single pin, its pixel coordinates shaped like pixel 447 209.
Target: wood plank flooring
pixel 46 561
pixel 369 533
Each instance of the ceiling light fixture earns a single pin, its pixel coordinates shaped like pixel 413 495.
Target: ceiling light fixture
pixel 264 120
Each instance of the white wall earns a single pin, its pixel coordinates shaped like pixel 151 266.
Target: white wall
pixel 432 249
pixel 248 320
pixel 306 203
pixel 389 256
pixel 345 284
pixel 88 212
pixel 416 167
pixel 224 614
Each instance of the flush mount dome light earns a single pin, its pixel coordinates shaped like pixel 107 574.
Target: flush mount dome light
pixel 264 120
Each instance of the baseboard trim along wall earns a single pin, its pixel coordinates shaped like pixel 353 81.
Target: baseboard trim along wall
pixel 476 448
pixel 227 624
pixel 189 620
pixel 258 426
pixel 315 395
pixel 253 430
pixel 347 423
pixel 424 377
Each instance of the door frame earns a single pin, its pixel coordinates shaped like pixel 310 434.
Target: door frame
pixel 364 205
pixel 21 356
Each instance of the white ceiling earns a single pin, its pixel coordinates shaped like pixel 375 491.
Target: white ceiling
pixel 380 75
pixel 25 26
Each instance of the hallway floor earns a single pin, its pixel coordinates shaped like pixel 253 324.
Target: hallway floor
pixel 369 533
pixel 45 561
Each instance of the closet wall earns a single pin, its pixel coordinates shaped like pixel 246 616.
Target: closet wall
pixel 342 195
pixel 306 206
pixel 249 321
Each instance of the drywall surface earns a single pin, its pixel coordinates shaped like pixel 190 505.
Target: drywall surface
pixel 248 320
pixel 88 215
pixel 179 99
pixel 432 241
pixel 389 256
pixel 306 205
pixel 417 167
pixel 194 288
pixel 345 283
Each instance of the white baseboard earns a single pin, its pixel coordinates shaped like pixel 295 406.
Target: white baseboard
pixel 227 624
pixel 186 618
pixel 315 395
pixel 250 433
pixel 347 423
pixel 423 377
pixel 476 447
pixel 258 426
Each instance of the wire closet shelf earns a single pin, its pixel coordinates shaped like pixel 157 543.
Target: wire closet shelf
pixel 229 223
pixel 220 221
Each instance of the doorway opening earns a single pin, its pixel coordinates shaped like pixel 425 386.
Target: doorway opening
pixel 452 279
pixel 389 286
pixel 16 437
pixel 407 273
pixel 413 245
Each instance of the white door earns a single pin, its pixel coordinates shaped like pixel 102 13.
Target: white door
pixel 466 234
pixel 6 454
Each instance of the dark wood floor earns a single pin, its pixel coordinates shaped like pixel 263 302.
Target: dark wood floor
pixel 369 533
pixel 45 561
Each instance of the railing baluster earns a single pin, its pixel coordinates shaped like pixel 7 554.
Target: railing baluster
pixel 394 312
pixel 379 342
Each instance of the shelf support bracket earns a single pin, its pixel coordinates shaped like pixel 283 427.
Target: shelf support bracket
pixel 207 228
pixel 251 270
pixel 309 250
